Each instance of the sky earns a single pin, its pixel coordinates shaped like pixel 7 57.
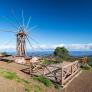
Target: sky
pixel 58 23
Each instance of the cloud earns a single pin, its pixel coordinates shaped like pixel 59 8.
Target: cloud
pixel 4 47
pixel 50 47
pixel 79 46
pixel 68 46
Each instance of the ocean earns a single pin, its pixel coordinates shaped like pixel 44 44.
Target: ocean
pixel 80 53
pixel 46 53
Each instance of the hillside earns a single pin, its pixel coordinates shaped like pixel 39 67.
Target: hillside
pixel 13 79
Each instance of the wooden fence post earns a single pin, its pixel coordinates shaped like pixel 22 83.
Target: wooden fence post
pixel 62 76
pixel 30 69
pixel 71 69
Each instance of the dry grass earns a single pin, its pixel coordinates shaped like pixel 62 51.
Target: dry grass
pixel 11 72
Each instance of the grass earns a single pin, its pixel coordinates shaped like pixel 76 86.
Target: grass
pixel 48 62
pixel 13 76
pixel 29 86
pixel 43 80
pixel 47 82
pixel 7 74
pixel 37 88
pixel 57 86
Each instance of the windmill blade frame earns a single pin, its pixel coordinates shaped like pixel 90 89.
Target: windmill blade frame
pixel 8 31
pixel 22 33
pixel 23 18
pixel 13 13
pixel 28 32
pixel 10 22
pixel 35 42
pixel 28 22
pixel 29 42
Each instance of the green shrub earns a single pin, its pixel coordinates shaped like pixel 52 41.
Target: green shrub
pixel 86 67
pixel 57 86
pixel 48 62
pixel 61 54
pixel 90 61
pixel 44 80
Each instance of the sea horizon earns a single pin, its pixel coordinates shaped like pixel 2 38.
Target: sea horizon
pixel 47 53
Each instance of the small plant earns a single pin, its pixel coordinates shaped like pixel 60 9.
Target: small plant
pixel 44 80
pixel 90 61
pixel 37 88
pixel 27 89
pixel 4 53
pixel 57 86
pixel 86 67
pixel 25 81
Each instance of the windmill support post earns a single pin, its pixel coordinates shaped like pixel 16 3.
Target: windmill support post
pixel 21 44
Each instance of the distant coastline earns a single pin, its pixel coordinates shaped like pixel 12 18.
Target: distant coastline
pixel 46 53
pixel 80 53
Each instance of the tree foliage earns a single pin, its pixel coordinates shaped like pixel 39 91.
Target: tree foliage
pixel 61 53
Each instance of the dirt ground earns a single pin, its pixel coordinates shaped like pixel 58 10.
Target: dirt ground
pixel 7 85
pixel 10 86
pixel 82 83
pixel 14 67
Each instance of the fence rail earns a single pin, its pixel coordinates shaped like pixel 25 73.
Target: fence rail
pixel 57 73
pixel 69 71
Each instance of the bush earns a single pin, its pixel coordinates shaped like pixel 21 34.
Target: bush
pixel 90 61
pixel 57 86
pixel 86 67
pixel 48 62
pixel 4 53
pixel 61 54
pixel 44 80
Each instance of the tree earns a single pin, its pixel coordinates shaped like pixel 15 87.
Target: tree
pixel 4 53
pixel 61 53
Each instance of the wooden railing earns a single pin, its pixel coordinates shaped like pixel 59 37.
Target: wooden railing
pixel 57 73
pixel 69 71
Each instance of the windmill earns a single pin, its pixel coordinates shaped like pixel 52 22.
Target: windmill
pixel 22 35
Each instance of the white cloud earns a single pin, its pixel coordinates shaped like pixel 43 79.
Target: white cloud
pixel 80 46
pixel 50 47
pixel 7 47
pixel 68 46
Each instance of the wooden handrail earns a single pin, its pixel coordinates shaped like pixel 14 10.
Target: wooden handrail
pixel 68 71
pixel 70 64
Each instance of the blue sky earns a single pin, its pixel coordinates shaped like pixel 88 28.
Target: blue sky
pixel 59 22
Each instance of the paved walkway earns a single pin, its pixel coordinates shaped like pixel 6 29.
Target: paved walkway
pixel 82 83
